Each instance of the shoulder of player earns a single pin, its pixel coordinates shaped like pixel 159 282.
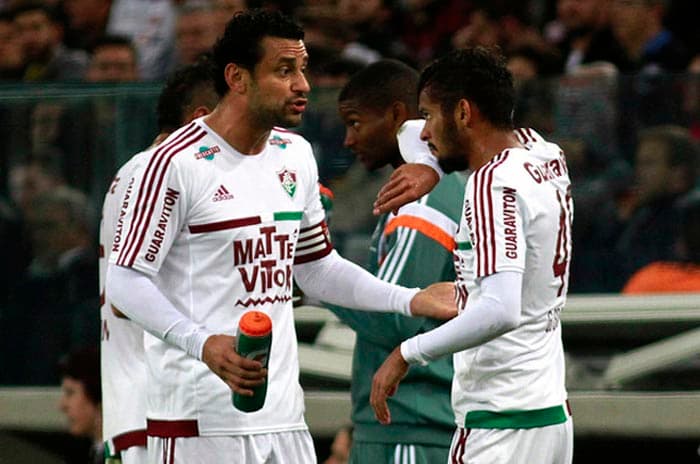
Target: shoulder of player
pixel 280 136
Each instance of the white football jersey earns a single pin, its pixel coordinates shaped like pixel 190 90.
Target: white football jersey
pixel 517 217
pixel 220 232
pixel 121 352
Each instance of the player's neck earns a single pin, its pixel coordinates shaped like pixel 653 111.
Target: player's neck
pixel 238 129
pixel 488 142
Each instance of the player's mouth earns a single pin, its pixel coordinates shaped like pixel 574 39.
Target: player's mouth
pixel 299 105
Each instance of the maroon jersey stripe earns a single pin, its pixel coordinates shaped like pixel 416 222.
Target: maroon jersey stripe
pixel 223 225
pixel 154 180
pixel 159 185
pixel 143 195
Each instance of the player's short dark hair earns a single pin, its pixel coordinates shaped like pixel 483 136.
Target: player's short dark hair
pixel 477 74
pixel 188 87
pixel 242 38
pixel 382 83
pixel 83 365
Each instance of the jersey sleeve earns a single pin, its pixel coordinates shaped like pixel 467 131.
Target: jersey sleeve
pixel 418 253
pixel 151 221
pixel 413 149
pixel 314 237
pixel 495 217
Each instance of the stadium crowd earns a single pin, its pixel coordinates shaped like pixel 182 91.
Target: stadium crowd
pixel 616 83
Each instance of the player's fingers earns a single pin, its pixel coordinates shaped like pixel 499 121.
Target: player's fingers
pixel 239 389
pixel 392 204
pixel 378 398
pixel 392 188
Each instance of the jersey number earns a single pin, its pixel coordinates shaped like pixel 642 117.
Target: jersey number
pixel 560 265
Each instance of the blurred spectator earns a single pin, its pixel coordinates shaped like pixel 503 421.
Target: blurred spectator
pixel 150 24
pixel 52 306
pixel 86 21
pixel 599 183
pixel 57 134
pixel 198 25
pixel 587 34
pixel 14 252
pixel 373 35
pixel 665 168
pixel 40 32
pixel 340 448
pixel 691 97
pixel 81 400
pixel 11 54
pixel 532 69
pixel 481 29
pixel 427 26
pixel 681 274
pixel 225 11
pixel 113 60
pixel 639 27
pixel 28 179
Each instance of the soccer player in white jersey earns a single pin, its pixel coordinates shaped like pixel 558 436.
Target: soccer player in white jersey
pixel 512 263
pixel 226 212
pixel 189 93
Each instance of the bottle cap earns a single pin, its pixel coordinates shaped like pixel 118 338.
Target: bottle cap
pixel 255 323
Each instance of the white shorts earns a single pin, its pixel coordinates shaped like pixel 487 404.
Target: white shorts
pixel 135 455
pixel 553 444
pixel 295 447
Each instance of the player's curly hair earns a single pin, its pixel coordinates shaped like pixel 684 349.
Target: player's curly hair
pixel 477 74
pixel 241 41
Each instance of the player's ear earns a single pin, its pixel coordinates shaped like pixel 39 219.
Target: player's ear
pixel 234 76
pixel 199 112
pixel 463 113
pixel 399 112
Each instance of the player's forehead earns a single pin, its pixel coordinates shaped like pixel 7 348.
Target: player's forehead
pixel 358 107
pixel 278 49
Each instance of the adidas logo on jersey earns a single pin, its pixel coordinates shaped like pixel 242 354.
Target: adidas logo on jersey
pixel 222 194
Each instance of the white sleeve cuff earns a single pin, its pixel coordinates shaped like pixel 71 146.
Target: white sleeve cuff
pixel 410 350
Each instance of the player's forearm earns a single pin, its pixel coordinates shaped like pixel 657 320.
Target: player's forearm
pixel 135 294
pixel 335 280
pixel 496 312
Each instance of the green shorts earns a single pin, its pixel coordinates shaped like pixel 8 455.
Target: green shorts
pixel 384 453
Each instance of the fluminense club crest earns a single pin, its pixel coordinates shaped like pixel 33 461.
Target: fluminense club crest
pixel 288 179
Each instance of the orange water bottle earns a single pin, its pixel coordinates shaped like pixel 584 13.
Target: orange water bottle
pixel 254 341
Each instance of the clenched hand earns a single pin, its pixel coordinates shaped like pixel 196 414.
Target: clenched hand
pixel 239 373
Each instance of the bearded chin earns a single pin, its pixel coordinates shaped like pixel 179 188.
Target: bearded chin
pixel 453 162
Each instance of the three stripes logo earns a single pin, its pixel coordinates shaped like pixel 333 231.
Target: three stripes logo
pixel 222 194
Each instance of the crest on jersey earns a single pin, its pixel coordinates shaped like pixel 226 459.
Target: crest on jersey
pixel 288 179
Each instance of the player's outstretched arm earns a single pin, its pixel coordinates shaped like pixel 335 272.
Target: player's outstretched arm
pixel 335 280
pixel 407 183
